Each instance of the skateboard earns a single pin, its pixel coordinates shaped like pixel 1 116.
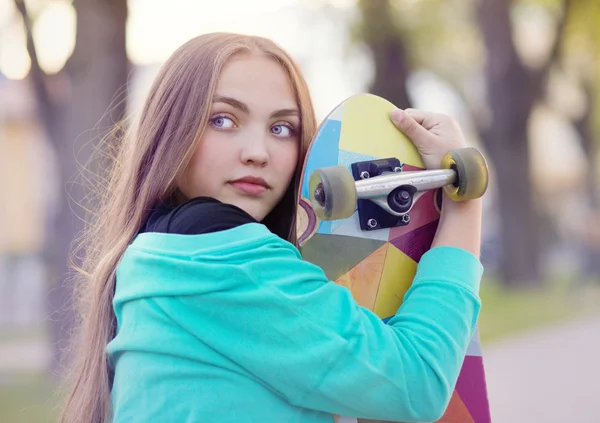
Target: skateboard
pixel 368 211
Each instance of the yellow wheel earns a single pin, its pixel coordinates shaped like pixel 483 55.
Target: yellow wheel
pixel 472 174
pixel 332 193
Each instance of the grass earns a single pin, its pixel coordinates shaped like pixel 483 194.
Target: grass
pixel 33 333
pixel 29 399
pixel 506 312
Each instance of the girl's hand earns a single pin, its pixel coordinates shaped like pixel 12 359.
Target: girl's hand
pixel 433 134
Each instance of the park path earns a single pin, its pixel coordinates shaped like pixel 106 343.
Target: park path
pixel 548 375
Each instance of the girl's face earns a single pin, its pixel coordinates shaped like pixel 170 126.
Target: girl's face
pixel 248 153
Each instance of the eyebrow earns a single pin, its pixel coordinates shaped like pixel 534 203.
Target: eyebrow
pixel 244 108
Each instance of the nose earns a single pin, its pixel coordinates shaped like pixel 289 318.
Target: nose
pixel 255 150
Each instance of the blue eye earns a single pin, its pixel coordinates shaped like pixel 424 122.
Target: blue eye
pixel 222 122
pixel 282 130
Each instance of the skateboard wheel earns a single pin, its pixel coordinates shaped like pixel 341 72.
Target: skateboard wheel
pixel 472 174
pixel 332 193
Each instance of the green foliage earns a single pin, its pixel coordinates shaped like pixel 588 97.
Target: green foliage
pixel 581 53
pixel 506 312
pixel 435 32
pixel 439 35
pixel 553 5
pixel 30 399
pixel 443 35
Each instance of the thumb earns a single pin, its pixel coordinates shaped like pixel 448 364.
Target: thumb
pixel 409 126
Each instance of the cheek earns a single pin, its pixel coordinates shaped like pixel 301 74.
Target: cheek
pixel 287 162
pixel 209 156
pixel 196 177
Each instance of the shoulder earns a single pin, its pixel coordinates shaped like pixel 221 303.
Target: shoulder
pixel 196 216
pixel 246 255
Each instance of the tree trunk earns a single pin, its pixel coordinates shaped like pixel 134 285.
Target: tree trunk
pixel 97 70
pixel 584 127
pixel 389 53
pixel 391 73
pixel 519 237
pixel 512 92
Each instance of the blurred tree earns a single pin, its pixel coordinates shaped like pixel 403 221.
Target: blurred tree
pixel 471 45
pixel 77 105
pixel 513 89
pixel 379 32
pixel 581 60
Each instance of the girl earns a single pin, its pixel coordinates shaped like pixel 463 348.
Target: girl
pixel 199 307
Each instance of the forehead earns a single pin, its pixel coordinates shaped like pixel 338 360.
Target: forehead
pixel 257 80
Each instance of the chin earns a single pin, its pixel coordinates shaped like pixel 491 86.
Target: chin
pixel 258 215
pixel 252 208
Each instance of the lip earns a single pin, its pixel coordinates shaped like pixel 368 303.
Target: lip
pixel 250 185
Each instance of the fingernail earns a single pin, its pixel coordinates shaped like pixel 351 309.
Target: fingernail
pixel 398 115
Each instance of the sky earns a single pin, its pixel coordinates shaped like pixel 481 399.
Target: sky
pixel 154 29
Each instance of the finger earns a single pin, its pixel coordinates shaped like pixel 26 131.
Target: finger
pixel 427 119
pixel 409 126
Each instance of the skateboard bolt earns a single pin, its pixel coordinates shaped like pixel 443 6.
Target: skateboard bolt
pixel 405 218
pixel 403 197
pixel 371 223
pixel 320 194
pixel 364 174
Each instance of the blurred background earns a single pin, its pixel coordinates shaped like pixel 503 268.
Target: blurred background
pixel 522 77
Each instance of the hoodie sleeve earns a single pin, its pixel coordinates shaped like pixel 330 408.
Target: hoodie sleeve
pixel 307 339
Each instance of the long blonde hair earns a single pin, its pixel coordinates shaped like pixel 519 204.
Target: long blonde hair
pixel 143 170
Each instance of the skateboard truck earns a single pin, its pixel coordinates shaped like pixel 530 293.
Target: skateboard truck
pixel 384 194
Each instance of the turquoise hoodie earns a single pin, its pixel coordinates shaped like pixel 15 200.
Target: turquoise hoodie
pixel 234 326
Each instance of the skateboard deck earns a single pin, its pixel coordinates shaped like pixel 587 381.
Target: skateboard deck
pixel 378 263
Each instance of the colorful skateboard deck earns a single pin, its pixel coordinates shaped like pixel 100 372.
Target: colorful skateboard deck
pixel 378 264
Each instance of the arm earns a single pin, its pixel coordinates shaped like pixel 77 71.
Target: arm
pixel 306 338
pixel 435 134
pixel 460 225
